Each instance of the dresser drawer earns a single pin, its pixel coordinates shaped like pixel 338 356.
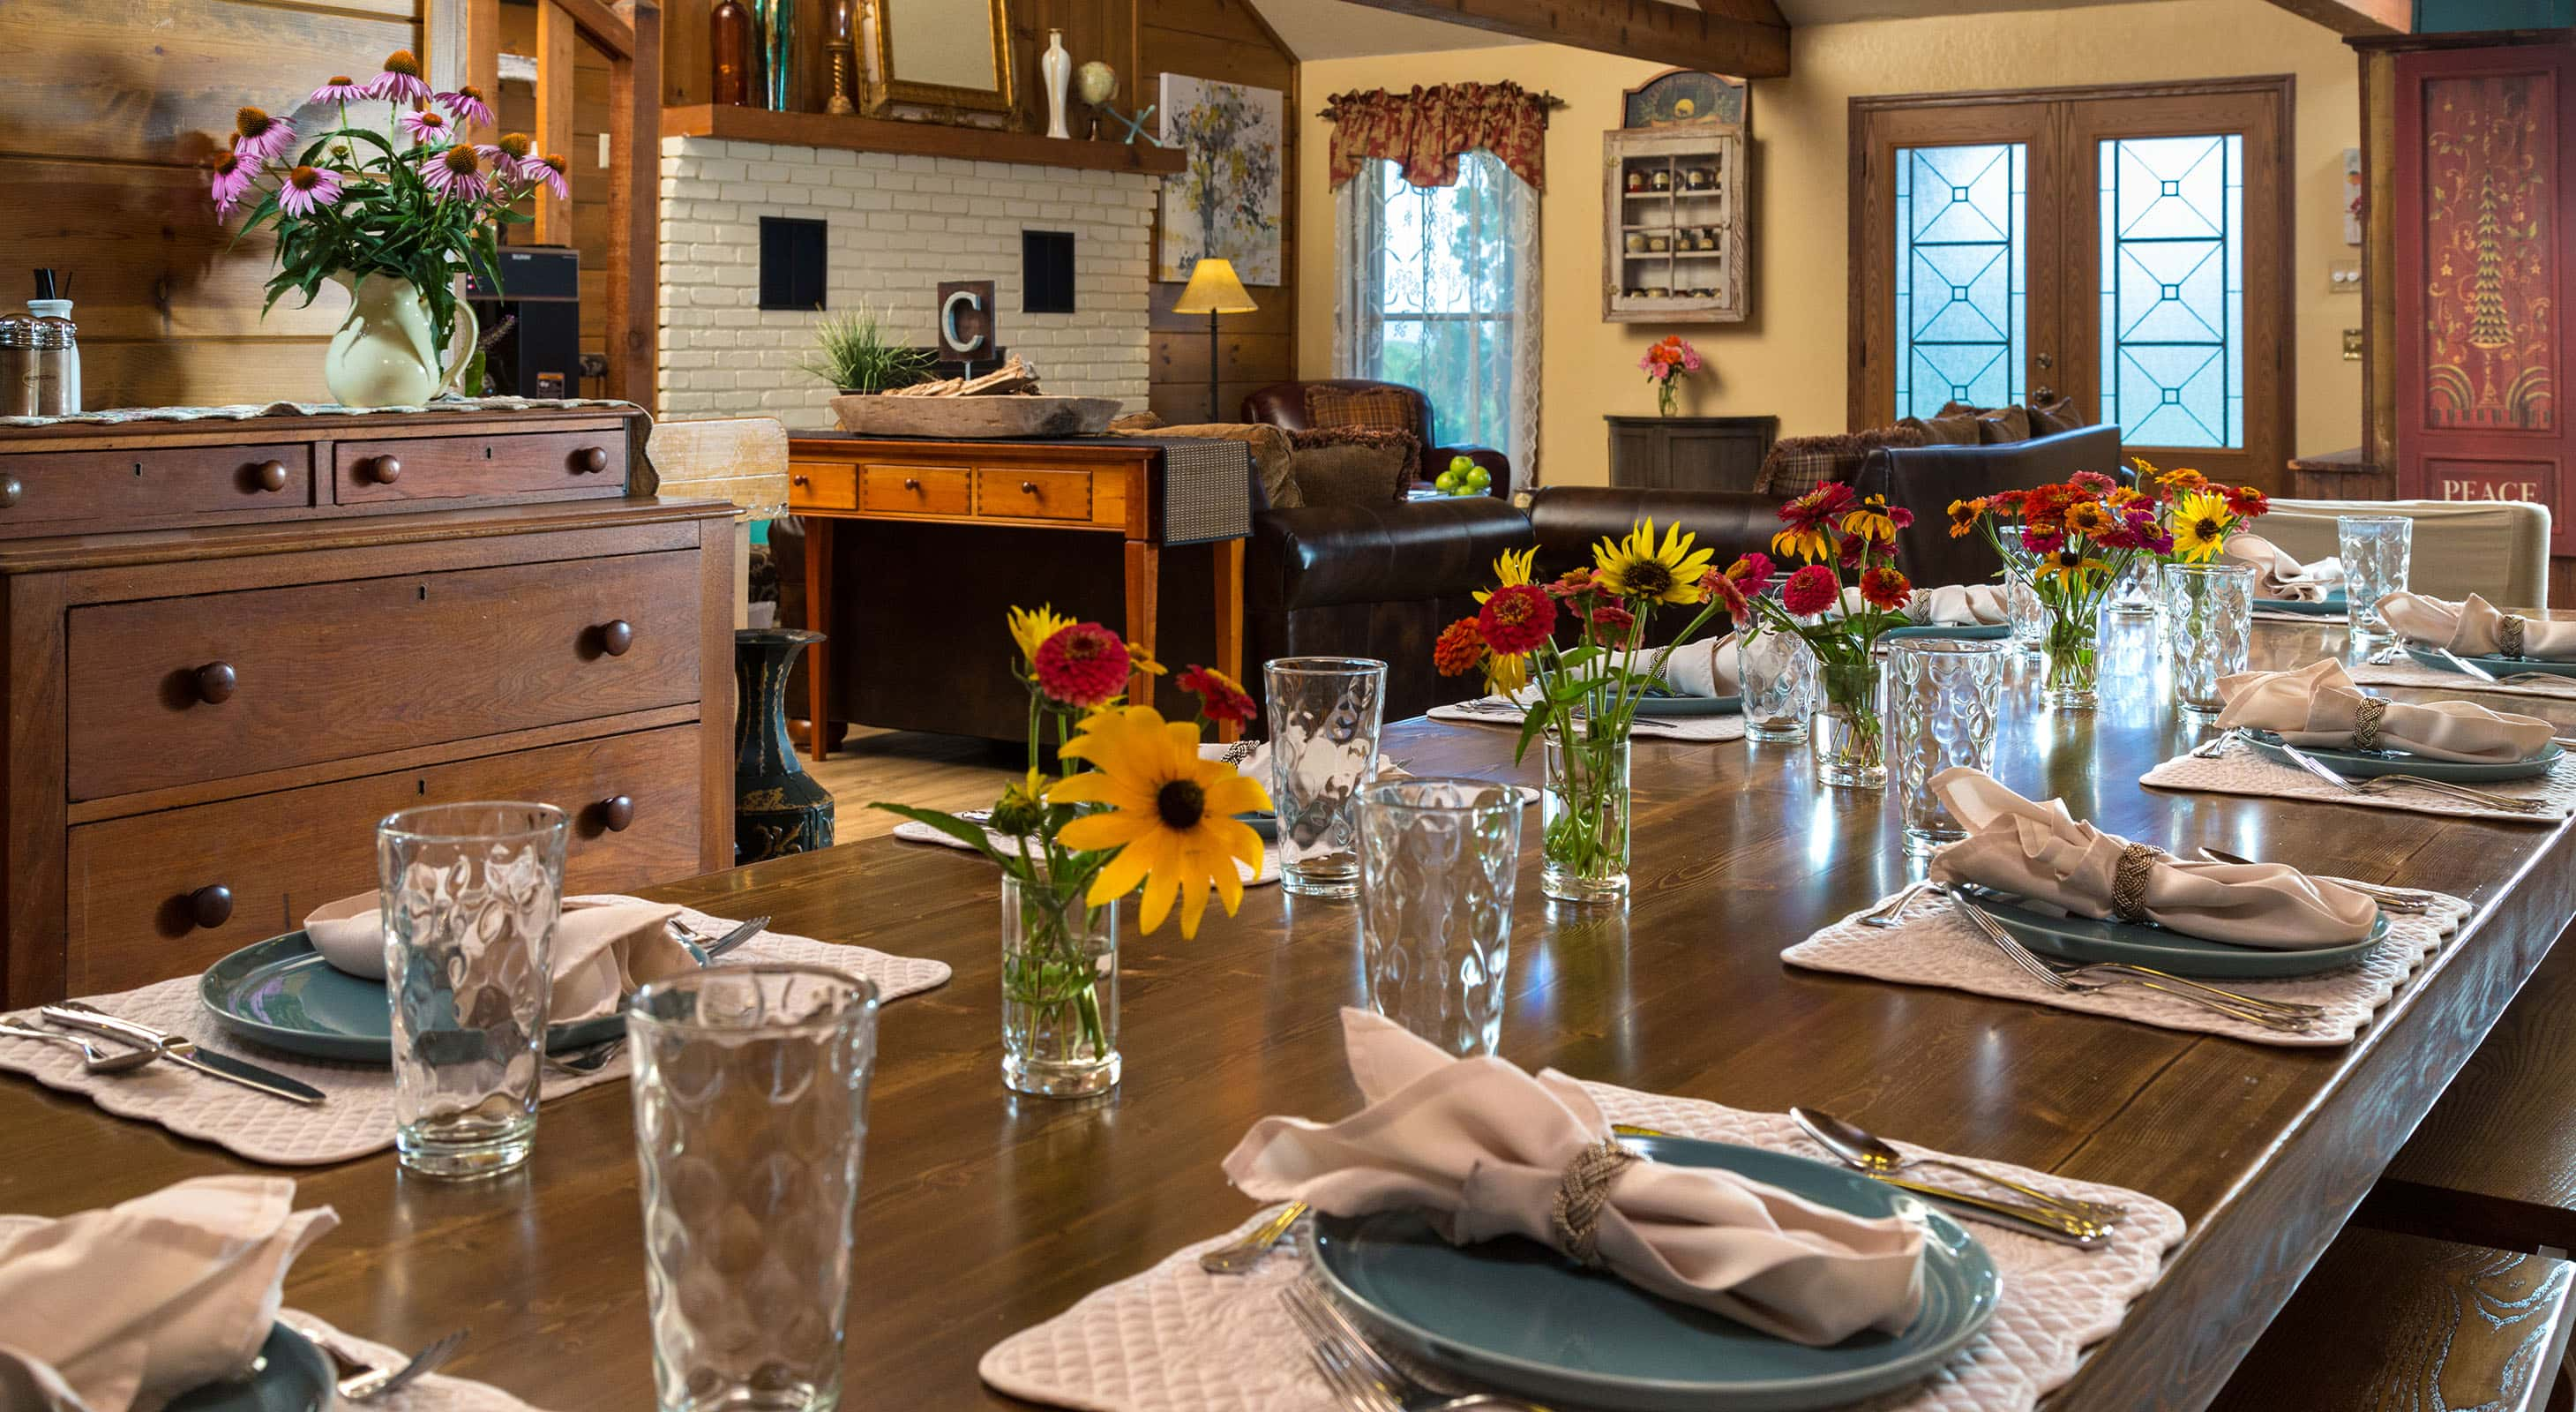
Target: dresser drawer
pixel 135 885
pixel 1004 493
pixel 822 485
pixel 453 467
pixel 153 481
pixel 177 691
pixel 916 490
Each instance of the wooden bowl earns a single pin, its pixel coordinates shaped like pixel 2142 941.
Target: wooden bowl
pixel 974 418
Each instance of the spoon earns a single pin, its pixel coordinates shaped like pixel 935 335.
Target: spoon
pixel 1869 1153
pixel 92 1059
pixel 2394 899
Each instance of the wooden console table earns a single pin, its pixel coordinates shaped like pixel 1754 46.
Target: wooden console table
pixel 1111 486
pixel 1689 453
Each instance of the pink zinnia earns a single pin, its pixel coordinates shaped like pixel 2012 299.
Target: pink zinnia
pixel 232 180
pixel 428 126
pixel 455 173
pixel 260 135
pixel 467 105
pixel 306 189
pixel 401 81
pixel 339 88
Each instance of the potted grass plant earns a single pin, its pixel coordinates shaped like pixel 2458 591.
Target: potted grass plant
pixel 859 353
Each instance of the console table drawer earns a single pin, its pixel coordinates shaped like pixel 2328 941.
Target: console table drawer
pixel 183 690
pixel 1004 493
pixel 821 485
pixel 453 467
pixel 141 888
pixel 917 490
pixel 152 481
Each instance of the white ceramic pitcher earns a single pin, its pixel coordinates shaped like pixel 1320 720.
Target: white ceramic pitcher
pixel 385 354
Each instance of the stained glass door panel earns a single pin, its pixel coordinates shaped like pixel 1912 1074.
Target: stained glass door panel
pixel 2173 289
pixel 1961 313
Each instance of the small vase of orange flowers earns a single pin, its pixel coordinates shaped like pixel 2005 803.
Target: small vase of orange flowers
pixel 1665 365
pixel 1136 807
pixel 2068 543
pixel 1834 529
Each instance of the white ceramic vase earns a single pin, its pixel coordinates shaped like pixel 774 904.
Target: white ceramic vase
pixel 386 353
pixel 1057 67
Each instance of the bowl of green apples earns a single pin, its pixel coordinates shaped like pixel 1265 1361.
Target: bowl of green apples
pixel 1464 477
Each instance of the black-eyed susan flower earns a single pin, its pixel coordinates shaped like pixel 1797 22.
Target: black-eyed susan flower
pixel 1168 812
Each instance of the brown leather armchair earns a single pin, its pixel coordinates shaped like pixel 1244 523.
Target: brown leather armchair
pixel 1283 405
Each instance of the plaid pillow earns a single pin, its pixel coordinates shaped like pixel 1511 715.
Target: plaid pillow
pixel 1798 464
pixel 1375 409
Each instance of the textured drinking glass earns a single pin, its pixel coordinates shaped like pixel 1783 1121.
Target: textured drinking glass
pixel 751 1100
pixel 471 894
pixel 2209 619
pixel 1943 696
pixel 1778 675
pixel 2377 550
pixel 2133 593
pixel 2028 614
pixel 1323 747
pixel 1438 860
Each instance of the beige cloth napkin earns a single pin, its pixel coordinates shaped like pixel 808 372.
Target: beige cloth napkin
pixel 2474 628
pixel 1480 1147
pixel 602 950
pixel 2041 853
pixel 129 1306
pixel 1705 668
pixel 2319 705
pixel 1957 605
pixel 2279 574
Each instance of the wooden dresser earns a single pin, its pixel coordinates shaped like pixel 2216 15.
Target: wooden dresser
pixel 231 647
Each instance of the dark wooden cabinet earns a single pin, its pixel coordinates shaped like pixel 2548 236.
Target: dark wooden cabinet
pixel 1689 453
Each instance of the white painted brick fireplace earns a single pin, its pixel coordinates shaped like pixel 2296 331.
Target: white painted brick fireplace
pixel 898 226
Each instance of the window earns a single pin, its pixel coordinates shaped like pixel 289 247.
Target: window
pixel 1440 292
pixel 2173 289
pixel 1960 251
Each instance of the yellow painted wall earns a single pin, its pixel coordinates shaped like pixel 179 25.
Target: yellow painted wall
pixel 1789 359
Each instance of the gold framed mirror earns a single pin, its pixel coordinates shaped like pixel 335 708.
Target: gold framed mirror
pixel 940 54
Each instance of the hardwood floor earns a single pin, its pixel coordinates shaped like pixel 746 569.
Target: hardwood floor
pixel 909 767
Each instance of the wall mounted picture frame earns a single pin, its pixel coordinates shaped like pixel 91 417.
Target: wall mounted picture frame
pixel 1226 202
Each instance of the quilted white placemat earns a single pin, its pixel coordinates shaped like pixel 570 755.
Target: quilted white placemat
pixel 434 1393
pixel 358 1116
pixel 1499 711
pixel 1176 1339
pixel 1936 946
pixel 2406 671
pixel 2240 769
pixel 914 831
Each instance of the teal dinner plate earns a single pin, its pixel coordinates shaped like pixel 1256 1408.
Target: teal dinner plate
pixel 1514 1315
pixel 290 1374
pixel 2501 666
pixel 2083 939
pixel 2331 606
pixel 282 994
pixel 1966 632
pixel 1689 705
pixel 2362 764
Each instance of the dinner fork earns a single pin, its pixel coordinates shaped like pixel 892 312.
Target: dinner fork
pixel 2213 747
pixel 93 1060
pixel 2275 1015
pixel 385 1382
pixel 2473 670
pixel 589 1059
pixel 2080 970
pixel 1360 1378
pixel 2377 783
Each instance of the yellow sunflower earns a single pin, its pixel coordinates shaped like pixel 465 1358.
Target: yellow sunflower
pixel 1170 815
pixel 2069 566
pixel 1513 567
pixel 2200 520
pixel 1637 568
pixel 1031 626
pixel 1871 521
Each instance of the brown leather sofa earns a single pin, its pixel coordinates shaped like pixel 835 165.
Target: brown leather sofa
pixel 1283 405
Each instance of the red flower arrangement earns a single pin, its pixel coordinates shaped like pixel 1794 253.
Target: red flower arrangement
pixel 1083 665
pixel 1517 618
pixel 1221 698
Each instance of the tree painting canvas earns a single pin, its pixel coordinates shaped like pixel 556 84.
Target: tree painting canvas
pixel 1226 203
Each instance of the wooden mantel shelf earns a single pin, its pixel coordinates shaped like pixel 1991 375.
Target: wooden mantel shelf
pixel 741 124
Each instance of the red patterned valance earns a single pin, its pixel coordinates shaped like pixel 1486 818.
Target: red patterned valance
pixel 1427 129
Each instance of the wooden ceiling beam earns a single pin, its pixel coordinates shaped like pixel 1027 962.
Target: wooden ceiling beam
pixel 1745 38
pixel 2356 17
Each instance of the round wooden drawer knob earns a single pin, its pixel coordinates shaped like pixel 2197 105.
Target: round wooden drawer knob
pixel 616 637
pixel 592 459
pixel 271 475
pixel 910 483
pixel 1028 487
pixel 211 907
pixel 799 480
pixel 10 489
pixel 384 470
pixel 215 682
pixel 617 811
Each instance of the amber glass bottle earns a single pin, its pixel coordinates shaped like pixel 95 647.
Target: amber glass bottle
pixel 729 40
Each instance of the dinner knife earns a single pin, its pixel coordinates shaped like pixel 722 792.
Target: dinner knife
pixel 181 1050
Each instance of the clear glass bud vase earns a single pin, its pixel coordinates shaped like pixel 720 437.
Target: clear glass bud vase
pixel 1849 737
pixel 2074 668
pixel 1059 992
pixel 1584 812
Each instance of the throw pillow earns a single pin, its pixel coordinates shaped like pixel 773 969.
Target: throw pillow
pixel 1270 454
pixel 1798 464
pixel 1371 409
pixel 1954 429
pixel 1137 421
pixel 1352 465
pixel 2050 418
pixel 2004 424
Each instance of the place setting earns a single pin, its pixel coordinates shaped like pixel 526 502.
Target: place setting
pixel 2025 902
pixel 2473 645
pixel 2286 589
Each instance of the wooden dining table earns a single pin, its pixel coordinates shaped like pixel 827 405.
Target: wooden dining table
pixel 984 1212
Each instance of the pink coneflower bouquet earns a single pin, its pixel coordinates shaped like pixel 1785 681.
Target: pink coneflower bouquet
pixel 408 197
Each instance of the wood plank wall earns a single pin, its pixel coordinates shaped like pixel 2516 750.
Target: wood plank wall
pixel 590 180
pixel 107 116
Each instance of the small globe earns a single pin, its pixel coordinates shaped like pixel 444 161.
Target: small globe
pixel 1094 82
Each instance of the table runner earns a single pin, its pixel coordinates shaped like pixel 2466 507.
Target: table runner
pixel 2243 770
pixel 358 1117
pixel 2409 672
pixel 1499 711
pixel 1936 946
pixel 1175 1337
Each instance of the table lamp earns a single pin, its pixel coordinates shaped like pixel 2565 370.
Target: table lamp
pixel 1213 290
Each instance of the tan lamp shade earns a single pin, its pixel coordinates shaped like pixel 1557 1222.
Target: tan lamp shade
pixel 1213 289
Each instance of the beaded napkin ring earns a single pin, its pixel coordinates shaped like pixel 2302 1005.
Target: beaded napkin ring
pixel 2365 720
pixel 1581 1195
pixel 2509 635
pixel 2129 883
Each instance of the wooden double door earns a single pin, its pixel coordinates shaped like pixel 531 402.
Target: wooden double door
pixel 2127 248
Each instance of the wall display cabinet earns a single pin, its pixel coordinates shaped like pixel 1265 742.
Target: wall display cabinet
pixel 1673 224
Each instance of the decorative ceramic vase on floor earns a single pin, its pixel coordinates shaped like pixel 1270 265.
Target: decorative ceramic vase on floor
pixel 1057 68
pixel 778 809
pixel 386 352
